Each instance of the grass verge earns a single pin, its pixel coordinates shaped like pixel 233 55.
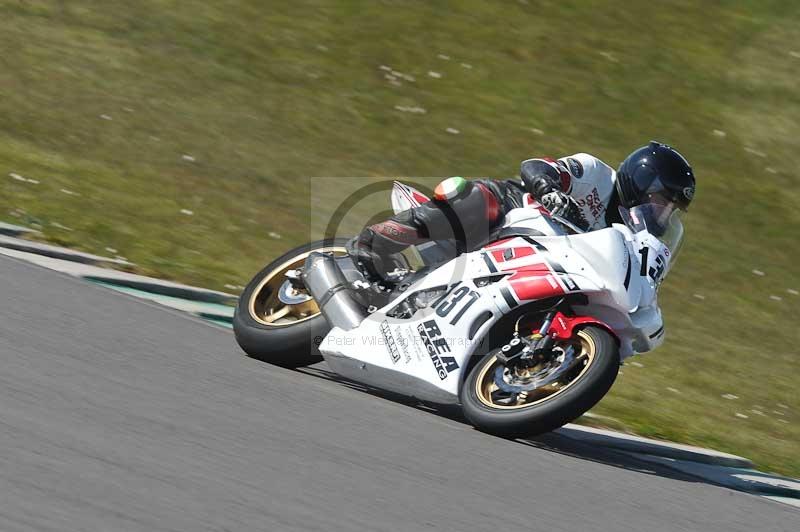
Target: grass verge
pixel 182 136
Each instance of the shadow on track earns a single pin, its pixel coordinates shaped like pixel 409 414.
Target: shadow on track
pixel 557 441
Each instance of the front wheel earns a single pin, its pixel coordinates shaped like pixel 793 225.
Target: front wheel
pixel 509 402
pixel 276 323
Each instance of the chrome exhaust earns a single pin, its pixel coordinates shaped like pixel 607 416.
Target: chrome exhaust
pixel 328 286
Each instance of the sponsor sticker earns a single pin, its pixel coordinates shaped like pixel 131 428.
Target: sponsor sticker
pixel 391 346
pixel 432 339
pixel 414 344
pixel 575 167
pixel 592 203
pixel 402 343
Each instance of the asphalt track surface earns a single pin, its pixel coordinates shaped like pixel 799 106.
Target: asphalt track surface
pixel 117 414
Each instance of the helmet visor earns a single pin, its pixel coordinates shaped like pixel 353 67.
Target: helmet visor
pixel 655 191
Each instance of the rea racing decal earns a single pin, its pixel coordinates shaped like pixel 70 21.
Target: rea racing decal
pixel 436 345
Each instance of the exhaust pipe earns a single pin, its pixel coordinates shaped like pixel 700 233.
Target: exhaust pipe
pixel 327 285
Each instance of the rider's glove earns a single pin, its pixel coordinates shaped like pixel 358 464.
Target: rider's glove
pixel 539 184
pixel 565 206
pixel 554 201
pixel 365 259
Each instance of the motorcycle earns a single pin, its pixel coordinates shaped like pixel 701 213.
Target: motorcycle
pixel 526 333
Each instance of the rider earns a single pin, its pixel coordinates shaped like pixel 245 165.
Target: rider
pixel 586 190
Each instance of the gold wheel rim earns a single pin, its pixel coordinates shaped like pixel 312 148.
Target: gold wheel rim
pixel 485 385
pixel 267 309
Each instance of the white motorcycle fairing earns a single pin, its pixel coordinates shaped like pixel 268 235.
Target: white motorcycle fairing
pixel 427 354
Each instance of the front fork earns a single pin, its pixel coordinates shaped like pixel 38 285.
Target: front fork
pixel 523 349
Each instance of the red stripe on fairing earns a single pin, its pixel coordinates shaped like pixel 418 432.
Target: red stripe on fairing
pixel 492 206
pixel 516 253
pixel 532 281
pixel 536 269
pixel 538 287
pixel 523 252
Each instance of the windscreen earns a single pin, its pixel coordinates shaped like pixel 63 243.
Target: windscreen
pixel 662 221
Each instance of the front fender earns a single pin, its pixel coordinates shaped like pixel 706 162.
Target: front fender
pixel 563 327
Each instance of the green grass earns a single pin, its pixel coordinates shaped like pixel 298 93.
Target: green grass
pixel 264 95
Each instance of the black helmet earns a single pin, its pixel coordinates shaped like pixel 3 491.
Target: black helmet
pixel 658 174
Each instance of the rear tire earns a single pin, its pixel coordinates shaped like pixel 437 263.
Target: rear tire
pixel 553 411
pixel 283 343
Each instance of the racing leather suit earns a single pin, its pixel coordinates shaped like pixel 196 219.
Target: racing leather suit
pixel 471 217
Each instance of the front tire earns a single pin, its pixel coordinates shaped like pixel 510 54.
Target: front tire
pixel 269 330
pixel 544 411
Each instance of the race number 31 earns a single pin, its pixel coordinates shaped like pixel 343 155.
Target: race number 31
pixel 462 297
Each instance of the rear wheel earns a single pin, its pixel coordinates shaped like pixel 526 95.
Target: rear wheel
pixel 276 323
pixel 523 402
